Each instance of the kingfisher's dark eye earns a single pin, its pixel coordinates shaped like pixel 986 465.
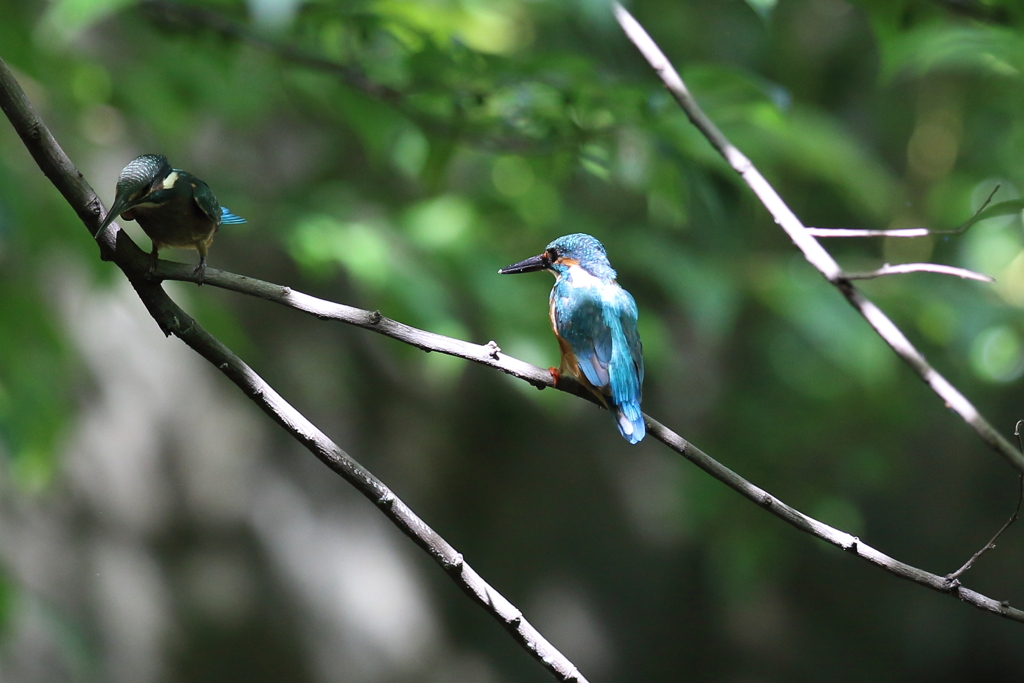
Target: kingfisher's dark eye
pixel 552 255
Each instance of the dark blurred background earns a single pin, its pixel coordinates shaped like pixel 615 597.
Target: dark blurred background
pixel 393 154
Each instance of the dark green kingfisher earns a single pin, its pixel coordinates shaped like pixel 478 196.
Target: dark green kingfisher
pixel 173 207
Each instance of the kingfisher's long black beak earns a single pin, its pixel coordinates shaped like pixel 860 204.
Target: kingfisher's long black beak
pixel 528 266
pixel 120 205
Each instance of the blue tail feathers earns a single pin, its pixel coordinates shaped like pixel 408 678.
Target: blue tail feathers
pixel 228 218
pixel 630 421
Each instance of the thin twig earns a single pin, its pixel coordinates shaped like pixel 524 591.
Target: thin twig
pixel 811 248
pixel 1002 208
pixel 491 355
pixel 115 245
pixel 953 579
pixel 854 232
pixel 903 268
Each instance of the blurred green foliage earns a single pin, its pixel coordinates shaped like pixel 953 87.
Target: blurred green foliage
pixel 393 154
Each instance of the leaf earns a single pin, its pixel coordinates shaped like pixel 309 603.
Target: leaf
pixel 1007 208
pixel 987 50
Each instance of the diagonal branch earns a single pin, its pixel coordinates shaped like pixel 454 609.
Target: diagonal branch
pixel 485 354
pixel 811 248
pixel 116 246
pixel 490 355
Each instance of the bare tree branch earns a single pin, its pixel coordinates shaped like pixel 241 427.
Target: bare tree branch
pixel 115 245
pixel 490 355
pixel 812 250
pixel 903 268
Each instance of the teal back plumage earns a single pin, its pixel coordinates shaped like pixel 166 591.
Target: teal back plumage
pixel 595 322
pixel 597 319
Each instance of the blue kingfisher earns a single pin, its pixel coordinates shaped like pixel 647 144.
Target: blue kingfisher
pixel 173 207
pixel 594 320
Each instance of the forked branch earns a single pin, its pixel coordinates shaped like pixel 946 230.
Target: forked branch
pixel 1007 208
pixel 954 578
pixel 116 246
pixel 811 248
pixel 491 355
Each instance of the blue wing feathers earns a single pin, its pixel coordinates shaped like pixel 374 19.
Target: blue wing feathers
pixel 627 367
pixel 602 333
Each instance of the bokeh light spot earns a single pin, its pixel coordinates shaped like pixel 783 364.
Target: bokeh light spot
pixel 996 354
pixel 512 176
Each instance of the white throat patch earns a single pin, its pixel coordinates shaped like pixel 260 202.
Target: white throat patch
pixel 578 277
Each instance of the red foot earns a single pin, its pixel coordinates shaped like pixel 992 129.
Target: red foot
pixel 555 375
